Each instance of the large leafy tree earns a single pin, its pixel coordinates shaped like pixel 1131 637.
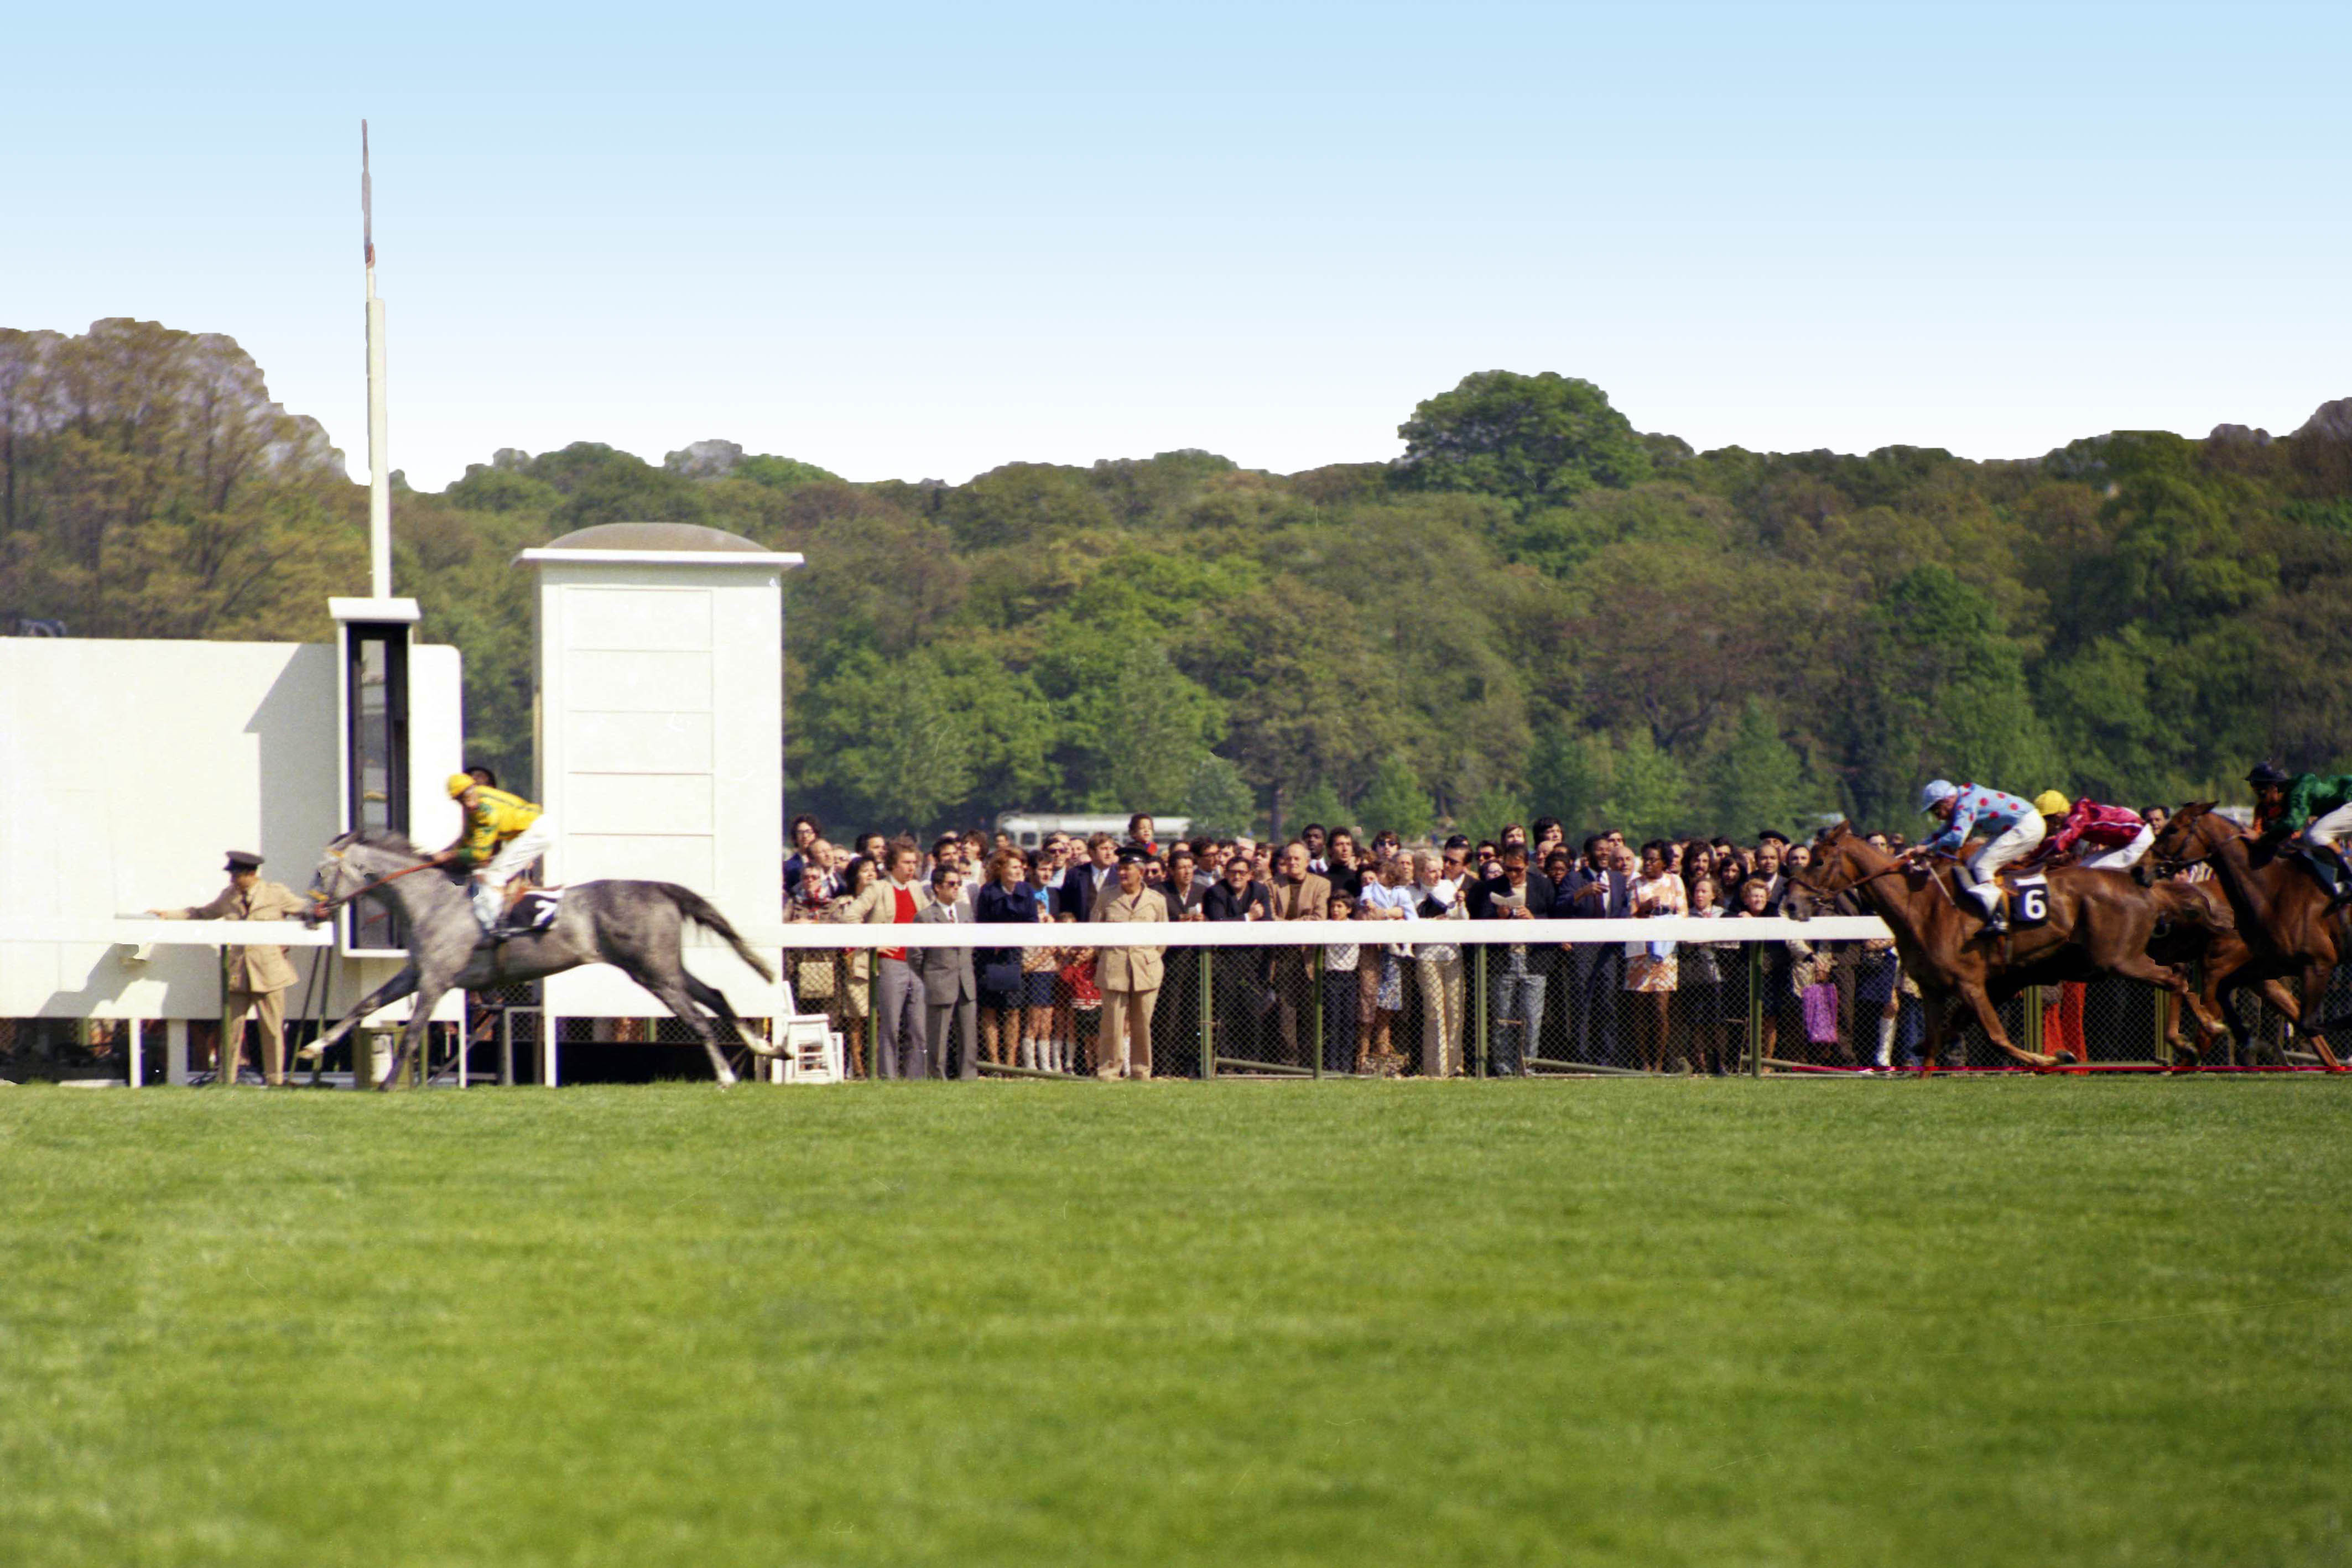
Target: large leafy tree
pixel 1218 798
pixel 1937 686
pixel 148 487
pixel 1396 802
pixel 1534 440
pixel 1757 779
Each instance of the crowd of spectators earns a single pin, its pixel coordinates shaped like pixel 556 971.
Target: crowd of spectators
pixel 1386 1007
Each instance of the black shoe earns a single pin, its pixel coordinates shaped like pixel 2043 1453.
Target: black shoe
pixel 1996 923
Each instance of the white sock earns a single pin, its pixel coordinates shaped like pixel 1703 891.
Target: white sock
pixel 1886 1042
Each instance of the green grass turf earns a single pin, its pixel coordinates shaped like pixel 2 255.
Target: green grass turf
pixel 1653 1322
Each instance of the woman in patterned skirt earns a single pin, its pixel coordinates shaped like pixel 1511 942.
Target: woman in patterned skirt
pixel 1649 966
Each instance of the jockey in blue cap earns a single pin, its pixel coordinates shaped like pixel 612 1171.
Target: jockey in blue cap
pixel 2015 826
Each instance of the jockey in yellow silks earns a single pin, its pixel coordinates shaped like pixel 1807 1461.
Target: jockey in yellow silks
pixel 504 833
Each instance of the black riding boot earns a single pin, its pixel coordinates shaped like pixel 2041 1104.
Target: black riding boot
pixel 2328 866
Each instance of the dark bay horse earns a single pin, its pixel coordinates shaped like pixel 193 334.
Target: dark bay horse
pixel 636 927
pixel 2285 916
pixel 2100 922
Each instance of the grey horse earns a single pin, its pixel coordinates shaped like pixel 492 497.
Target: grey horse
pixel 636 927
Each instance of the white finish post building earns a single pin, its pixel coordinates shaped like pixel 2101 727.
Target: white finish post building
pixel 660 743
pixel 129 767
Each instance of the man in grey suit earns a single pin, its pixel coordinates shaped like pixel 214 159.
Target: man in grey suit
pixel 950 993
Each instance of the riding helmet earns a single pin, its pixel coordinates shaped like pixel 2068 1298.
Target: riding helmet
pixel 461 782
pixel 2051 803
pixel 2268 772
pixel 1937 792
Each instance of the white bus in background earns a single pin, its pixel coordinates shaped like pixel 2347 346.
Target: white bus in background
pixel 1028 829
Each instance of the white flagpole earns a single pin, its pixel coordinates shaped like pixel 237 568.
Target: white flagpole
pixel 379 443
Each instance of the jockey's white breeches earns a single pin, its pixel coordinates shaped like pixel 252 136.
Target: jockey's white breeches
pixel 2124 856
pixel 2326 832
pixel 513 856
pixel 2023 837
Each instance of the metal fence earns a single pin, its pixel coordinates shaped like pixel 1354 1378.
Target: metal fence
pixel 1309 999
pixel 1431 998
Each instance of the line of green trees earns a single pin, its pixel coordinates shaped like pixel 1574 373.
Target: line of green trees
pixel 1537 609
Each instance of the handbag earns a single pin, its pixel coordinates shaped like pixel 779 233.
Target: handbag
pixel 1001 976
pixel 812 979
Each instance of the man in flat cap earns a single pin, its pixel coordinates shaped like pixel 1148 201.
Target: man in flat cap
pixel 1130 978
pixel 256 977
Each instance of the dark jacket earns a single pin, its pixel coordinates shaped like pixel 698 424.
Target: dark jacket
pixel 1616 903
pixel 1077 893
pixel 1223 904
pixel 1539 897
pixel 994 905
pixel 1180 905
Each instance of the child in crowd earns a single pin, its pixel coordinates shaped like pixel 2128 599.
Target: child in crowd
pixel 1077 1005
pixel 1755 903
pixel 1699 991
pixel 1877 995
pixel 1038 1047
pixel 1341 991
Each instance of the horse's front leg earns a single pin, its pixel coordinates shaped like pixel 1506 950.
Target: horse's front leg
pixel 1939 1006
pixel 391 991
pixel 420 1019
pixel 2317 973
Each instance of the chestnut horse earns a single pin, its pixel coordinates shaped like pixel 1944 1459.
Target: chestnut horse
pixel 2100 922
pixel 2285 916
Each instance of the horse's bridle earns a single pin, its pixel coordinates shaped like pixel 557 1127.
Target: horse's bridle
pixel 2169 866
pixel 322 907
pixel 1902 864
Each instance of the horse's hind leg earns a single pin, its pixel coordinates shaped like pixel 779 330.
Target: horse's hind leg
pixel 675 996
pixel 715 1001
pixel 2289 1004
pixel 2168 979
pixel 1989 1017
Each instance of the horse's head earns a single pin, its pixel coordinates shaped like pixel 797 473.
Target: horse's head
pixel 2188 836
pixel 335 878
pixel 1842 859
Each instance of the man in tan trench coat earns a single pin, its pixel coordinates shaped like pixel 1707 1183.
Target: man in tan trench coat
pixel 1129 976
pixel 256 977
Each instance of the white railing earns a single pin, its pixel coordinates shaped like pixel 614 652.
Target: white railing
pixel 819 934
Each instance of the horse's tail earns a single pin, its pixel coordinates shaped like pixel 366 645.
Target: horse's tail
pixel 698 909
pixel 2193 904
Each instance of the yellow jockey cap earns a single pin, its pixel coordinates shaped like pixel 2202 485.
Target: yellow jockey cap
pixel 461 782
pixel 2051 803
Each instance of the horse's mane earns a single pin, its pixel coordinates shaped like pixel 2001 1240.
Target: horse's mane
pixel 386 839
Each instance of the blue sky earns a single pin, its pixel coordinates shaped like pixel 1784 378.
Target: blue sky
pixel 921 241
